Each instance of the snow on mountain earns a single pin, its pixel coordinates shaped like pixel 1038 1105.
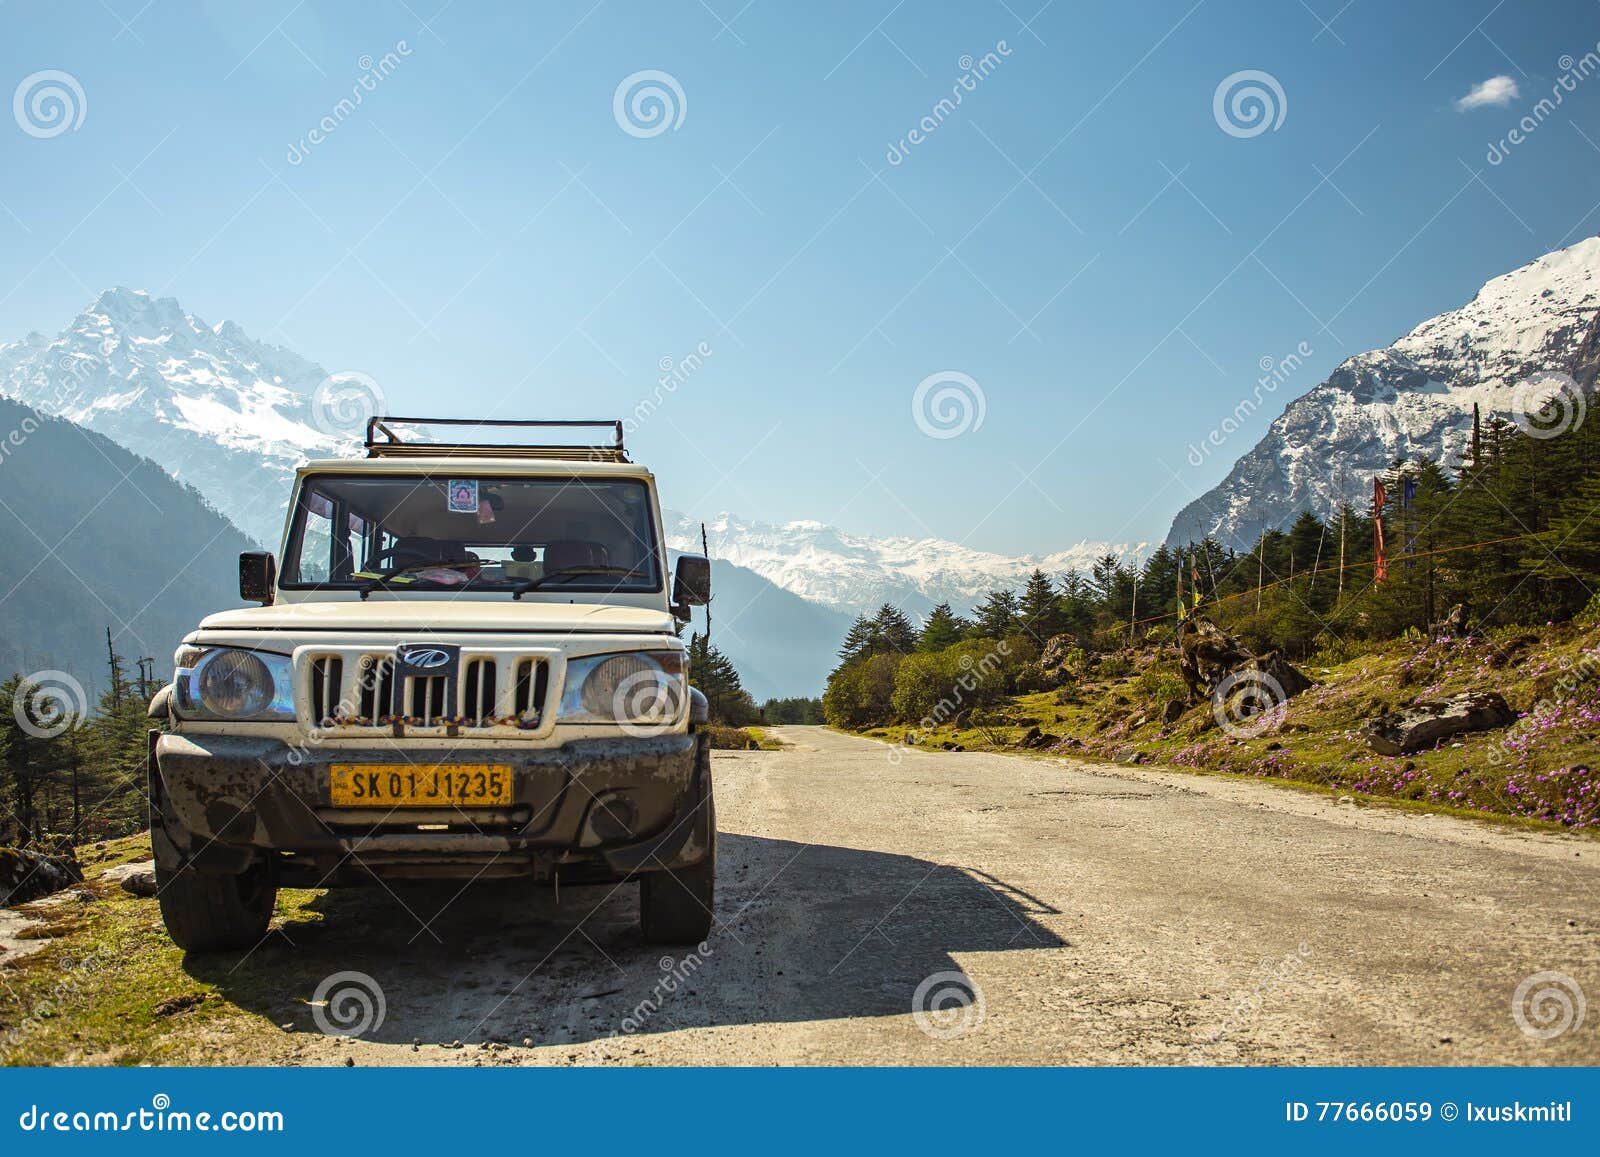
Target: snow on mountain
pixel 1412 399
pixel 229 415
pixel 233 417
pixel 852 572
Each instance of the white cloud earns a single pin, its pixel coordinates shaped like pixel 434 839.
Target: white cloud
pixel 1497 90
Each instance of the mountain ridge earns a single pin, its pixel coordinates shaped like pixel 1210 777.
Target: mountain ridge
pixel 1412 398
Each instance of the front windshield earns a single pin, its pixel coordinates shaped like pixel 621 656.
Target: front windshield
pixel 415 531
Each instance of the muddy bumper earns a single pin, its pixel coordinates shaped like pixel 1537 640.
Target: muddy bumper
pixel 590 809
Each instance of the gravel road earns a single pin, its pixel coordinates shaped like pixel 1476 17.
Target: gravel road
pixel 1099 915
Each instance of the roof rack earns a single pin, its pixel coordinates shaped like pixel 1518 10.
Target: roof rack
pixel 392 445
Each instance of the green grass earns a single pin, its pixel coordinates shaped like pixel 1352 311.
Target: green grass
pixel 109 987
pixel 1317 743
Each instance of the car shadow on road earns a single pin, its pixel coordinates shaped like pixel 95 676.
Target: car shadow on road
pixel 804 932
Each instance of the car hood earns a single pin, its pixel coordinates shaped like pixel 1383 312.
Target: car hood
pixel 440 616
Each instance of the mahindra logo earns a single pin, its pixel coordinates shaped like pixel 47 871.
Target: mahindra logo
pixel 424 658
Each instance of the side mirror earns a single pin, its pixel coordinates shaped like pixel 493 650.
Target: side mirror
pixel 258 576
pixel 691 583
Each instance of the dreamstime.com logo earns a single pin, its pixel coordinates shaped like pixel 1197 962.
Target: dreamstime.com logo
pixel 948 404
pixel 1247 703
pixel 49 703
pixel 948 1005
pixel 49 103
pixel 1248 103
pixel 646 702
pixel 1548 1004
pixel 1547 405
pixel 348 1004
pixel 649 102
pixel 342 403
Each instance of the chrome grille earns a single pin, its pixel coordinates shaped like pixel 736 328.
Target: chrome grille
pixel 352 690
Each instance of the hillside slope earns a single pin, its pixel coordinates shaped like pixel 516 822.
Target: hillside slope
pixel 1412 399
pixel 95 537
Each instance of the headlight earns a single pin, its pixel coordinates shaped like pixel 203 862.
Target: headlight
pixel 635 688
pixel 233 684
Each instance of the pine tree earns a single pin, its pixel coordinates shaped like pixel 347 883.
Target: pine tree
pixel 1040 608
pixel 857 641
pixel 713 674
pixel 996 617
pixel 943 628
pixel 893 631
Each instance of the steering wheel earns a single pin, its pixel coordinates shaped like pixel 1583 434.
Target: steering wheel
pixel 397 558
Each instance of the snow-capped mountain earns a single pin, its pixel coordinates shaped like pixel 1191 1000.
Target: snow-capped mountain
pixel 852 572
pixel 233 417
pixel 227 414
pixel 1412 399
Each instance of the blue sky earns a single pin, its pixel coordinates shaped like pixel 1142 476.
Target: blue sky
pixel 1080 237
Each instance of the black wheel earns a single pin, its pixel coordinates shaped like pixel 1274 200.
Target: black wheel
pixel 675 905
pixel 206 912
pixel 216 913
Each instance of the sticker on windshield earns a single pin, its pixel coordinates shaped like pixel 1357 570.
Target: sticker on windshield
pixel 463 496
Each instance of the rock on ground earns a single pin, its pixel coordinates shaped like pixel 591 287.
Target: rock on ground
pixel 1424 724
pixel 27 875
pixel 139 878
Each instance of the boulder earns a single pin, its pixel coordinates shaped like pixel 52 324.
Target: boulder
pixel 1172 711
pixel 1207 655
pixel 138 879
pixel 27 875
pixel 1034 739
pixel 1422 725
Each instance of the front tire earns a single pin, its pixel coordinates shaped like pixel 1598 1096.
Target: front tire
pixel 675 905
pixel 212 913
pixel 206 912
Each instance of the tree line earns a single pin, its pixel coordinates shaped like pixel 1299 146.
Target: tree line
pixel 1510 533
pixel 71 773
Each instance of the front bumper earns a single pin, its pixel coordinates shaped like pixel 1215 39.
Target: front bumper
pixel 592 808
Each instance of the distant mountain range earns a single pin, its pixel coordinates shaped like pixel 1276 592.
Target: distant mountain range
pixel 1412 399
pixel 855 572
pixel 234 417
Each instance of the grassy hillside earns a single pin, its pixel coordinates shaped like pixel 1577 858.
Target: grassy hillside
pixel 1544 768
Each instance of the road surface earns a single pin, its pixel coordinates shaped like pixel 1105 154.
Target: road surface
pixel 1100 915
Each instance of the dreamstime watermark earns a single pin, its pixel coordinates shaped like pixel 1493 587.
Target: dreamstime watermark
pixel 1274 372
pixel 342 403
pixel 49 103
pixel 649 102
pixel 948 404
pixel 647 702
pixel 48 704
pixel 948 1005
pixel 373 73
pixel 973 73
pixel 973 673
pixel 674 373
pixel 674 975
pixel 1270 976
pixel 1248 103
pixel 1548 404
pixel 1548 1004
pixel 75 368
pixel 1573 73
pixel 1248 702
pixel 1583 673
pixel 348 1004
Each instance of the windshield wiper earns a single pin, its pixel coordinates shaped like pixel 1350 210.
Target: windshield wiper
pixel 523 586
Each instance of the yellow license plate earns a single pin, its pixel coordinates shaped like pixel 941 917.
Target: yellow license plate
pixel 420 785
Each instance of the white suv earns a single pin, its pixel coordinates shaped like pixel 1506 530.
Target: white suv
pixel 466 666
